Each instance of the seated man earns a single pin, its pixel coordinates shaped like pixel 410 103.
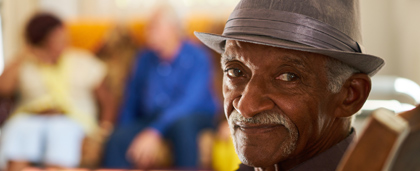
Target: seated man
pixel 294 77
pixel 168 96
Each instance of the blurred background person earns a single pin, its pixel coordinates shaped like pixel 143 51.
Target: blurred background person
pixel 168 97
pixel 58 90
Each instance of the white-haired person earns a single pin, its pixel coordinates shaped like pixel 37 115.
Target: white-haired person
pixel 168 97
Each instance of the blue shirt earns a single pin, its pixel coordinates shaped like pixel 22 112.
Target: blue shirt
pixel 160 92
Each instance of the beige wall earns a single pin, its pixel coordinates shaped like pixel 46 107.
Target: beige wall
pixel 133 9
pixel 391 30
pixel 408 39
pixel 14 15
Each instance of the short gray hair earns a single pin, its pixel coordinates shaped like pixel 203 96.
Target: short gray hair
pixel 337 73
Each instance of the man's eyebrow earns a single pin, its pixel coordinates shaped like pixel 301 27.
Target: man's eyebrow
pixel 296 61
pixel 226 58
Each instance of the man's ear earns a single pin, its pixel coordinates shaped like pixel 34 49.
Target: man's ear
pixel 353 94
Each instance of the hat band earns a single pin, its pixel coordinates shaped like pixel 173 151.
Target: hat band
pixel 289 26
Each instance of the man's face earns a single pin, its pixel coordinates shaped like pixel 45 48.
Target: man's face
pixel 159 31
pixel 276 101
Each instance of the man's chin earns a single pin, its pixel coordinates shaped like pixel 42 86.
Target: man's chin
pixel 264 149
pixel 256 157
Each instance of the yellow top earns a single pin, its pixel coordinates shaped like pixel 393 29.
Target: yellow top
pixel 224 156
pixel 66 87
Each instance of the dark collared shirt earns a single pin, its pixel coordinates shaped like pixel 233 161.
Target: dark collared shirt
pixel 326 161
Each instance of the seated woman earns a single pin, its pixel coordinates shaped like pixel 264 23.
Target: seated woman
pixel 58 88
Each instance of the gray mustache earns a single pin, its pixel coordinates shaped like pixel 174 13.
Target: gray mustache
pixel 261 118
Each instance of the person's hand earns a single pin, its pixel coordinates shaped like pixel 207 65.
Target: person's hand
pixel 144 149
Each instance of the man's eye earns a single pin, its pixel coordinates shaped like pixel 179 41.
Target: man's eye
pixel 288 77
pixel 233 72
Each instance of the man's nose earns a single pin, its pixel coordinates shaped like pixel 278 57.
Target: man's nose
pixel 254 99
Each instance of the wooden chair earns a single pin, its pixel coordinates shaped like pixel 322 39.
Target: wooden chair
pixel 388 142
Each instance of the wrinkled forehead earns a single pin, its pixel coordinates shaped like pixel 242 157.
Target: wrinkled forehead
pixel 244 51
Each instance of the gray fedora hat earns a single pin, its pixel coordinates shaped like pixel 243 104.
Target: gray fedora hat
pixel 328 27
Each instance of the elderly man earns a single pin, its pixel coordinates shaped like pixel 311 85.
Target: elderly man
pixel 295 75
pixel 168 97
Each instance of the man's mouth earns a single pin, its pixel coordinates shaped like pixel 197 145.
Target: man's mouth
pixel 256 128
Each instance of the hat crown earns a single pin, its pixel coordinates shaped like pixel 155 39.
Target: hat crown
pixel 343 15
pixel 327 27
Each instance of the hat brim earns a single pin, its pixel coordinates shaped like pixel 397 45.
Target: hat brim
pixel 366 63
